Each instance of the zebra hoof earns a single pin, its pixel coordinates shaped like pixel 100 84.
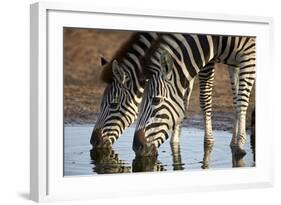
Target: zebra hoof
pixel 238 151
pixel 241 152
pixel 205 166
pixel 233 144
pixel 237 148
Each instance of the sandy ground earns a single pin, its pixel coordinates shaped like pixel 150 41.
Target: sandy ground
pixel 83 88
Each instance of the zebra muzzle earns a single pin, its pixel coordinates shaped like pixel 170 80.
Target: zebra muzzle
pixel 96 137
pixel 97 140
pixel 141 146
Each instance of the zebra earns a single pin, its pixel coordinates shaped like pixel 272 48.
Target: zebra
pixel 149 164
pixel 173 65
pixel 125 86
pixel 124 90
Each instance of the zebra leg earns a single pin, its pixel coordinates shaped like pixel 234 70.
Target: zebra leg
pixel 188 93
pixel 206 79
pixel 234 78
pixel 246 81
pixel 253 134
pixel 175 138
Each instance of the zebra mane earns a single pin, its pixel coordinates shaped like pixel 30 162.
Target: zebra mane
pixel 157 48
pixel 146 60
pixel 107 74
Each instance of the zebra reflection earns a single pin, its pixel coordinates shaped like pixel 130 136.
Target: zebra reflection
pixel 208 148
pixel 152 164
pixel 106 161
pixel 176 153
pixel 237 159
pixel 147 164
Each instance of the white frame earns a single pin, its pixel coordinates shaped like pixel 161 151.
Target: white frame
pixel 46 21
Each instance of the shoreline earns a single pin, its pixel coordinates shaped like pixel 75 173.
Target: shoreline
pixel 220 121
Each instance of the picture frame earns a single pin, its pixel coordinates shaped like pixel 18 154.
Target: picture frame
pixel 47 182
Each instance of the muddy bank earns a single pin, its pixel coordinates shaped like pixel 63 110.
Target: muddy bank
pixel 221 121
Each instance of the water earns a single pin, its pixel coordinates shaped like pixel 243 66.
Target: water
pixel 80 160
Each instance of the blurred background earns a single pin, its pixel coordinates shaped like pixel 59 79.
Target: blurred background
pixel 83 88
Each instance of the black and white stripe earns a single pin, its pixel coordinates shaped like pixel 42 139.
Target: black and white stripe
pixel 123 94
pixel 168 89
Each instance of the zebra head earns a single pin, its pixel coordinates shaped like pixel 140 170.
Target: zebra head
pixel 119 106
pixel 162 108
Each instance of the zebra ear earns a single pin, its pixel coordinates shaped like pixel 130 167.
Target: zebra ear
pixel 166 63
pixel 118 72
pixel 103 61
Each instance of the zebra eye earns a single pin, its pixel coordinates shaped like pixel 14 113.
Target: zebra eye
pixel 156 100
pixel 114 105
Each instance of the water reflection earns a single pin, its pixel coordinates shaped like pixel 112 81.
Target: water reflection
pixel 106 161
pixel 237 159
pixel 208 148
pixel 147 164
pixel 176 154
pixel 188 155
pixel 152 164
